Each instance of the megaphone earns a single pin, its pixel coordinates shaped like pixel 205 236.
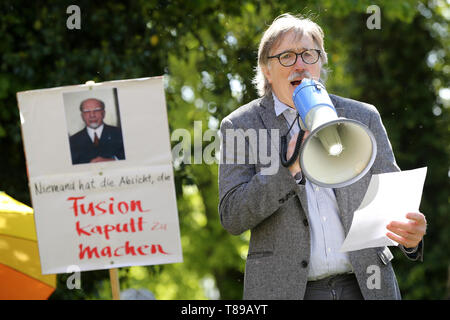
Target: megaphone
pixel 338 151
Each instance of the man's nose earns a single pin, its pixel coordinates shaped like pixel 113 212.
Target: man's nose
pixel 299 64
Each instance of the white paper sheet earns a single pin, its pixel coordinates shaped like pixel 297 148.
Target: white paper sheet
pixel 389 197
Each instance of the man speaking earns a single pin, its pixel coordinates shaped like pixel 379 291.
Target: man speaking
pixel 97 142
pixel 297 227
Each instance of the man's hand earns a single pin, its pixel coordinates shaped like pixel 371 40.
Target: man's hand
pixel 101 159
pixel 408 234
pixel 295 167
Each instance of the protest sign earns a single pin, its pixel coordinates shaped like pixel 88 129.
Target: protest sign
pixel 100 175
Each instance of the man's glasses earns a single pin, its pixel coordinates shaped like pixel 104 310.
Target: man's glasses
pixel 289 58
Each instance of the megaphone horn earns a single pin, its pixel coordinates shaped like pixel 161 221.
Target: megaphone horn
pixel 338 151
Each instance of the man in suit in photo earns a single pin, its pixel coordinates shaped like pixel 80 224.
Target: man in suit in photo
pixel 297 227
pixel 97 142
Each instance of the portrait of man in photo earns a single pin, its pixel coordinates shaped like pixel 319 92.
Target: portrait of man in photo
pixel 98 141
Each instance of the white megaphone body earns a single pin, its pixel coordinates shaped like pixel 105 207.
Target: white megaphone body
pixel 338 151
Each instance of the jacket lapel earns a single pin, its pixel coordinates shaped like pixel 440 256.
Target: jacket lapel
pixel 271 121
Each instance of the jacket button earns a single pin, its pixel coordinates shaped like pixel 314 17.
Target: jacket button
pixel 305 222
pixel 304 263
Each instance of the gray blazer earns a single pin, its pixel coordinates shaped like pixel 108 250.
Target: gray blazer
pixel 274 207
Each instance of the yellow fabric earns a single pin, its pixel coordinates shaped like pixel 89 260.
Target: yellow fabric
pixel 9 204
pixel 16 218
pixel 17 286
pixel 23 255
pixel 18 241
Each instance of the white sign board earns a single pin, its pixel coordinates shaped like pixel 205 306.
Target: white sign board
pixel 100 175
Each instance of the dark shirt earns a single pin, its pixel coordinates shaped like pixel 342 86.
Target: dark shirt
pixel 110 145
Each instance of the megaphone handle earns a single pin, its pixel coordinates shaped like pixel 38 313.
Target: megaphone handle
pixel 298 144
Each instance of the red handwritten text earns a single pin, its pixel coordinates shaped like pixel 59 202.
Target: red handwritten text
pixel 103 207
pixel 130 226
pixel 127 249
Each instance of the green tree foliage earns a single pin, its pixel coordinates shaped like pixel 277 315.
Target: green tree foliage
pixel 207 52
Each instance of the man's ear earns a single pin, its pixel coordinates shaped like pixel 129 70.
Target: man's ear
pixel 266 71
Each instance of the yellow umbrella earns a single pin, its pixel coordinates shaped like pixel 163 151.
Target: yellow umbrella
pixel 20 267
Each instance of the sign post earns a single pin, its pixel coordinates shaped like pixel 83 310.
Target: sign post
pixel 115 284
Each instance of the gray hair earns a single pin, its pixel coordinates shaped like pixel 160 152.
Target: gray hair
pixel 272 37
